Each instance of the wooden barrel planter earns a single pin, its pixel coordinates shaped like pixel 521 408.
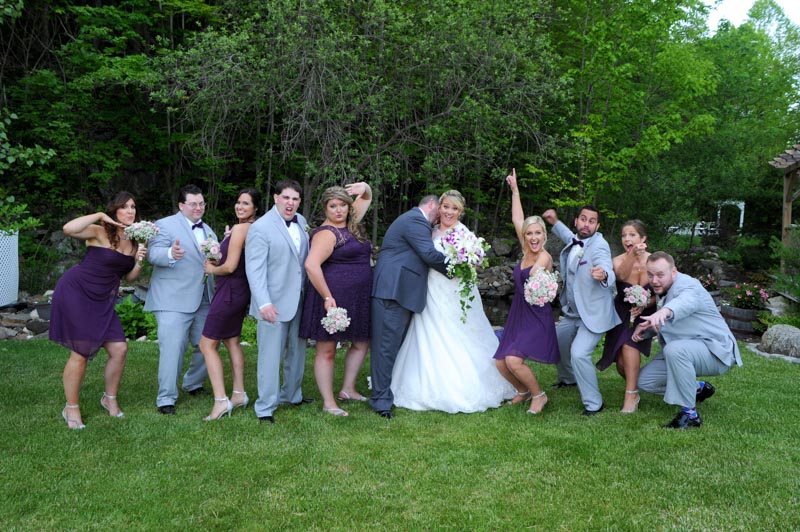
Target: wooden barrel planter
pixel 739 319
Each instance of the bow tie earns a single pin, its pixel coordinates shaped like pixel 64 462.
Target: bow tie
pixel 289 222
pixel 576 242
pixel 198 225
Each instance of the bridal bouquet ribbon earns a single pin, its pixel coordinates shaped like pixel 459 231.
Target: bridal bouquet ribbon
pixel 142 231
pixel 210 248
pixel 541 287
pixel 463 253
pixel 336 320
pixel 636 296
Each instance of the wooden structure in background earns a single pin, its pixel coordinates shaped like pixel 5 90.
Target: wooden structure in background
pixel 789 162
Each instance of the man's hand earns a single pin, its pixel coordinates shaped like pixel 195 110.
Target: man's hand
pixel 550 216
pixel 269 313
pixel 177 251
pixel 598 274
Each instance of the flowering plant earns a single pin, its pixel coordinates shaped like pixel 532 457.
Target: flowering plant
pixel 142 231
pixel 635 296
pixel 708 281
pixel 541 287
pixel 210 248
pixel 463 253
pixel 747 296
pixel 336 320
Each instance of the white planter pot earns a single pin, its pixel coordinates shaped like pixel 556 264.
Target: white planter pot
pixel 9 268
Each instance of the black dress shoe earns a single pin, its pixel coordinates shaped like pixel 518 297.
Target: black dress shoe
pixel 197 391
pixel 594 412
pixel 303 401
pixel 562 384
pixel 167 410
pixel 683 421
pixel 705 392
pixel 266 419
pixel 388 414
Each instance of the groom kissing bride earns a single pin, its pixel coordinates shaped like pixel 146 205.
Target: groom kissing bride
pixel 433 371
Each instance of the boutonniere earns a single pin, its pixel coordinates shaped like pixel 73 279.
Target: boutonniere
pixel 307 229
pixel 579 252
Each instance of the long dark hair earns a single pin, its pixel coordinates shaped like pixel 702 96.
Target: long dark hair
pixel 117 202
pixel 255 195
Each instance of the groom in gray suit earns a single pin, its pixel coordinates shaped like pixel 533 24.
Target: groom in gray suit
pixel 587 302
pixel 400 288
pixel 695 341
pixel 178 296
pixel 277 246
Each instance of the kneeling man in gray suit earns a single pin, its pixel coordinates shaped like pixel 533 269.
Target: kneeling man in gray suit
pixel 695 340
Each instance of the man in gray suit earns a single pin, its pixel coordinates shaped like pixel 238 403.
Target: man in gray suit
pixel 178 296
pixel 695 341
pixel 400 288
pixel 587 303
pixel 277 246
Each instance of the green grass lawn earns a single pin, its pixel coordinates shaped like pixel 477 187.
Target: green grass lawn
pixel 501 469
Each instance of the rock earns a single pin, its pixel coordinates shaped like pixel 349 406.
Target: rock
pixel 37 326
pixel 5 332
pixel 778 305
pixel 501 248
pixel 781 339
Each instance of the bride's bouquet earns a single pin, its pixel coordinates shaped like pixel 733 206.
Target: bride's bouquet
pixel 463 253
pixel 336 320
pixel 636 296
pixel 142 231
pixel 541 287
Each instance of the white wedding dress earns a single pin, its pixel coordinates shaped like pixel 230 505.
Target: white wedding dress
pixel 445 364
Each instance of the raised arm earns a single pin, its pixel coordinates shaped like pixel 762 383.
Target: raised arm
pixel 88 227
pixel 517 216
pixel 363 200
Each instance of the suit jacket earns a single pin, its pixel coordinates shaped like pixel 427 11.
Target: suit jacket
pixel 275 270
pixel 401 273
pixel 177 285
pixel 696 317
pixel 595 300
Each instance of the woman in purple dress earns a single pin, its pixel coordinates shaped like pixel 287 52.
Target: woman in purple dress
pixel 83 315
pixel 629 268
pixel 338 267
pixel 530 331
pixel 229 308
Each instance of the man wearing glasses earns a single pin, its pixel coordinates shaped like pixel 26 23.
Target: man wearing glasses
pixel 180 296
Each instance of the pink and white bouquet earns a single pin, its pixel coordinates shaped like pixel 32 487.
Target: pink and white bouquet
pixel 636 296
pixel 463 253
pixel 210 248
pixel 336 320
pixel 142 231
pixel 541 287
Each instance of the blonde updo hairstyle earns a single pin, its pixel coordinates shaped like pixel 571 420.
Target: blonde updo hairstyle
pixel 456 199
pixel 530 220
pixel 340 193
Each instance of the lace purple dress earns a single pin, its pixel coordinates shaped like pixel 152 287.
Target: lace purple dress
pixel 349 277
pixel 231 300
pixel 621 334
pixel 83 316
pixel 530 331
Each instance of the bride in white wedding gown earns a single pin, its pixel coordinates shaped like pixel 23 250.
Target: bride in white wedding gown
pixel 445 364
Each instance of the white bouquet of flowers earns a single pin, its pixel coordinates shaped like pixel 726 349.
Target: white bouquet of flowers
pixel 463 253
pixel 142 231
pixel 636 296
pixel 541 287
pixel 336 320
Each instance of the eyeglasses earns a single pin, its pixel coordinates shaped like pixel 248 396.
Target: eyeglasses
pixel 195 205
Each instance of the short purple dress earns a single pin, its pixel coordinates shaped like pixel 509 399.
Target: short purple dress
pixel 349 277
pixel 231 300
pixel 530 331
pixel 82 315
pixel 622 333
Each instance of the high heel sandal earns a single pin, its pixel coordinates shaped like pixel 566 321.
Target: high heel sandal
pixel 106 396
pixel 226 411
pixel 525 397
pixel 344 396
pixel 245 401
pixel 538 396
pixel 635 403
pixel 78 425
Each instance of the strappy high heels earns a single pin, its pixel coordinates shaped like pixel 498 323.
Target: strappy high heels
pixel 521 397
pixel 245 401
pixel 538 396
pixel 635 403
pixel 103 404
pixel 344 396
pixel 228 409
pixel 72 424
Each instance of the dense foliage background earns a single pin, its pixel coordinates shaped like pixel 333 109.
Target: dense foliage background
pixel 632 105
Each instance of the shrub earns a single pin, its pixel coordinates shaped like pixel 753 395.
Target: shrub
pixel 767 319
pixel 135 321
pixel 709 282
pixel 747 296
pixel 249 327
